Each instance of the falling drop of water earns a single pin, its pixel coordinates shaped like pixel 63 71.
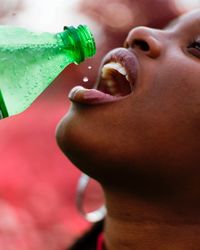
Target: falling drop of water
pixel 85 79
pixel 89 67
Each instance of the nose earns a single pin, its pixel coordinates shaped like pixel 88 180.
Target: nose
pixel 146 40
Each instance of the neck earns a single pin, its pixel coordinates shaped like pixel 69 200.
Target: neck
pixel 138 225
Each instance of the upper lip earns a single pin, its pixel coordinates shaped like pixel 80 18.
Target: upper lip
pixel 127 59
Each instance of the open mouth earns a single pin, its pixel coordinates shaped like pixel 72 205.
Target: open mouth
pixel 117 80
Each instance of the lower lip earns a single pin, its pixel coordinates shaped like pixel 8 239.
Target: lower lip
pixel 91 96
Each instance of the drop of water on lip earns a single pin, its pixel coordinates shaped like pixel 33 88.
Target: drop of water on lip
pixel 85 79
pixel 89 67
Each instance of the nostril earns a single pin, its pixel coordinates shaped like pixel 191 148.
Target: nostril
pixel 141 44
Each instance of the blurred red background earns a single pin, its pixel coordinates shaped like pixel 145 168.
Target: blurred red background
pixel 37 182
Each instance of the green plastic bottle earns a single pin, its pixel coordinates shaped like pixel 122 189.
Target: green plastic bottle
pixel 29 62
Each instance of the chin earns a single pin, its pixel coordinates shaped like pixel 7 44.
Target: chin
pixel 79 147
pixel 67 135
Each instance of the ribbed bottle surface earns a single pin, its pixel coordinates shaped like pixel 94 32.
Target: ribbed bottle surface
pixel 80 40
pixel 88 42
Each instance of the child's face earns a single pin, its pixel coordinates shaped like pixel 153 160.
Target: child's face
pixel 151 132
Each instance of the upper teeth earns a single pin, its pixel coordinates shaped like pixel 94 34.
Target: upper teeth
pixel 107 68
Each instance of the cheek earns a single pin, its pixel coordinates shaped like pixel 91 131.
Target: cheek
pixel 173 101
pixel 176 85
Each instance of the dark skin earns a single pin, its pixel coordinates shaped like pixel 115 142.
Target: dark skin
pixel 144 148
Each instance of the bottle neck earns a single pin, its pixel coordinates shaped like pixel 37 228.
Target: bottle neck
pixel 70 34
pixel 80 41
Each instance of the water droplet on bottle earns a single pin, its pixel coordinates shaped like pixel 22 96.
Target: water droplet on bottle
pixel 85 79
pixel 89 67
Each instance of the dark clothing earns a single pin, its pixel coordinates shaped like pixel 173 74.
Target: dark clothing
pixel 89 240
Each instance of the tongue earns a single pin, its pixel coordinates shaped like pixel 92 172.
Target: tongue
pixel 90 96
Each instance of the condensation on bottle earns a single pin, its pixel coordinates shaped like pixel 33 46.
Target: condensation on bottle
pixel 29 62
